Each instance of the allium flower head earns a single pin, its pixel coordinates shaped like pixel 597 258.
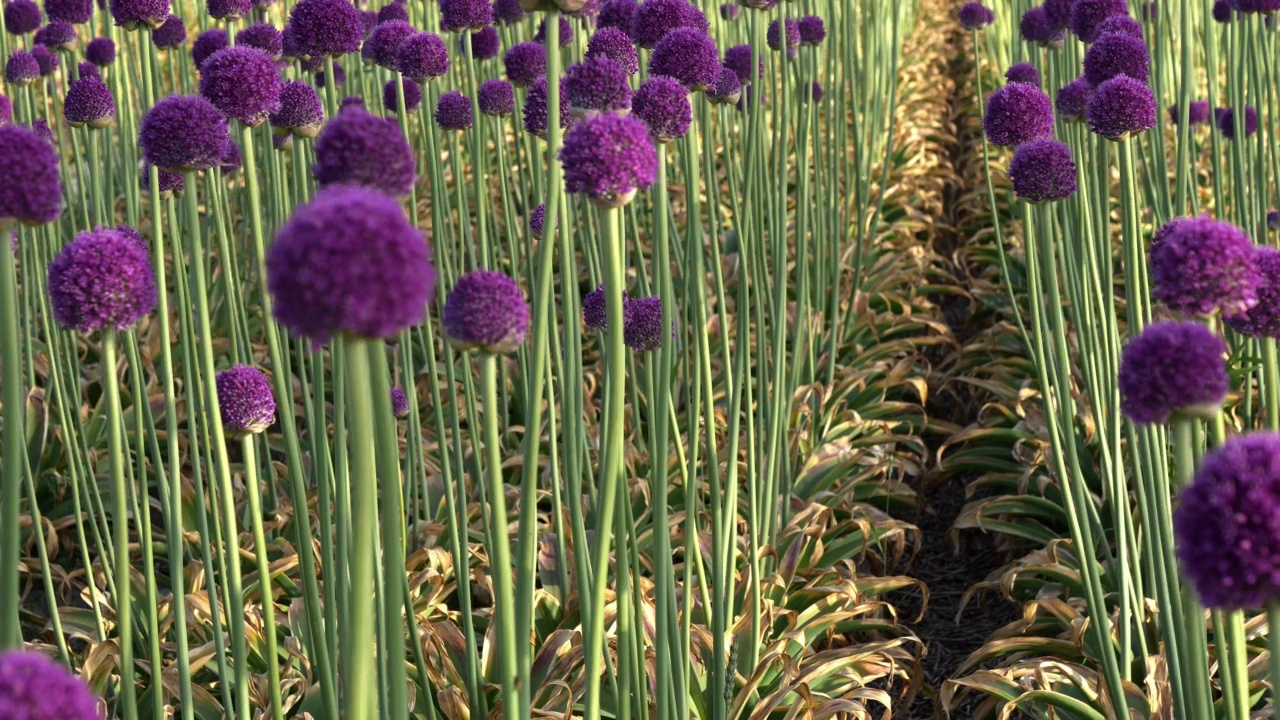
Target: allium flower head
pixel 57 36
pixel 243 83
pixel 1121 107
pixel 264 37
pixel 100 51
pixel 207 43
pixel 412 95
pixel 688 56
pixel 88 69
pixel 245 399
pixel 231 157
pixel 485 44
pixel 1222 11
pixel 525 63
pixel 29 189
pixel 729 12
pixel 21 16
pixel 1226 122
pixel 1263 319
pixel 21 68
pixel 1267 8
pixel 1273 219
pixel 350 261
pixel 1043 171
pixel 642 323
pixel 101 280
pixel 170 34
pixel 486 311
pixel 46 59
pixel 1227 524
pixel 617 14
pixel 1036 28
pixel 1023 73
pixel 384 43
pixel 1072 103
pixel 228 9
pixel 460 15
pixel 1115 54
pixel 89 102
pixel 608 158
pixel 594 313
pixel 1120 25
pixel 727 90
pixel 615 45
pixel 597 85
pixel 1172 368
pixel 132 14
pixel 976 16
pixel 37 688
pixel 654 19
pixel 356 148
pixel 326 27
pixel 565 38
pixel 1018 113
pixel 538 219
pixel 170 182
pixel 351 102
pixel 183 132
pixel 507 12
pixel 423 56
pixel 496 97
pixel 662 104
pixel 812 30
pixel 399 402
pixel 1197 114
pixel 44 132
pixel 453 111
pixel 1058 13
pixel 392 11
pixel 301 113
pixel 774 38
pixel 6 110
pixel 1204 266
pixel 535 109
pixel 1087 16
pixel 738 58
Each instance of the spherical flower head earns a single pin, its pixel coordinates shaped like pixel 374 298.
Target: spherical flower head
pixel 975 16
pixel 100 51
pixel 89 102
pixel 594 313
pixel 356 148
pixel 654 19
pixel 565 37
pixel 29 189
pixel 1267 8
pixel 688 56
pixel 46 60
pixel 231 158
pixel 326 28
pixel 812 30
pixel 1198 113
pixel 399 402
pixel 21 68
pixel 1043 171
pixel 1115 54
pixel 453 111
pixel 101 280
pixel 460 15
pixel 264 37
pixel 1263 319
pixel 536 112
pixel 662 104
pixel 642 323
pixel 207 43
pixel 1120 25
pixel 1172 369
pixel 243 83
pixel 87 69
pixel 351 102
pixel 1222 11
pixel 1023 73
pixel 729 12
pixel 1120 107
pixel 738 58
pixel 1273 219
pixel 423 56
pixel 57 35
pixel 6 110
pixel 1226 122
pixel 392 11
pixel 1204 266
pixel 384 43
pixel 486 311
pixel 132 14
pixel 171 34
pixel 1018 113
pixel 485 44
pixel 812 91
pixel 618 15
pixel 1072 102
pixel 615 45
pixel 727 90
pixel 1036 28
pixel 507 12
pixel 608 158
pixel 21 16
pixel 597 85
pixel 496 97
pixel 350 261
pixel 183 132
pixel 1058 13
pixel 228 9
pixel 301 112
pixel 774 38
pixel 244 396
pixel 1087 16
pixel 537 220
pixel 412 95
pixel 37 688
pixel 525 63
pixel 44 132
pixel 170 182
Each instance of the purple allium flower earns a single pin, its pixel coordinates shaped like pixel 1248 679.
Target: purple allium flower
pixel 1225 525
pixel 57 36
pixel 812 91
pixel 264 37
pixel 729 12
pixel 356 148
pixel 525 63
pixel 412 95
pixel 228 9
pixel 100 52
pixel 69 11
pixel 132 14
pixel 1198 114
pixel 89 102
pixel 21 16
pixel 976 16
pixel 6 110
pixel 392 11
pixel 537 219
pixel 642 323
pixel 597 85
pixel 485 44
pixel 688 56
pixel 507 12
pixel 207 43
pixel 617 14
pixel 339 75
pixel 350 261
pixel 21 68
pixel 1043 171
pixel 244 396
pixel 1087 16
pixel 594 313
pixel 399 402
pixel 1263 319
pixel 654 19
pixel 1115 54
pixel 535 109
pixel 422 57
pixel 183 132
pixel 88 69
pixel 171 34
pixel 616 45
pixel 301 113
pixel 1023 73
pixel 101 280
pixel 774 38
pixel 496 97
pixel 1018 113
pixel 812 30
pixel 1172 368
pixel 1226 122
pixel 45 59
pixel 231 158
pixel 351 102
pixel 565 29
pixel 44 132
pixel 459 15
pixel 29 189
pixel 1203 266
pixel 1036 28
pixel 1273 219
pixel 453 111
pixel 326 27
pixel 727 90
pixel 384 43
pixel 608 158
pixel 1073 100
pixel 1222 11
pixel 243 83
pixel 738 59
pixel 369 21
pixel 170 182
pixel 1121 107
pixel 1264 7
pixel 37 688
pixel 486 311
pixel 663 105
pixel 1120 25
pixel 1058 13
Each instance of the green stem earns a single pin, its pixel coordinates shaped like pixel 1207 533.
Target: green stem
pixel 14 450
pixel 359 657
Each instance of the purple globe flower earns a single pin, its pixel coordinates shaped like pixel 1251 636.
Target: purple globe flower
pixel 459 15
pixel 244 396
pixel 101 280
pixel 453 111
pixel 537 219
pixel 385 42
pixel 37 688
pixel 738 59
pixel 326 28
pixel 392 11
pixel 301 113
pixel 688 56
pixel 565 38
pixel 100 52
pixel 422 57
pixel 89 102
pixel 1018 113
pixel 183 132
pixel 132 14
pixel 654 19
pixel 1226 122
pixel 597 85
pixel 728 12
pixel 46 60
pixel 88 70
pixel 535 109
pixel 1087 16
pixel 1023 73
pixel 1197 114
pixel 351 102
pixel 243 83
pixel 231 158
pixel 1043 171
pixel 29 189
pixel 507 12
pixel 1058 13
pixel 1203 266
pixel 1120 25
pixel 608 158
pixel 642 323
pixel 1036 28
pixel 1172 369
pixel 486 311
pixel 207 43
pixel 1263 319
pixel 1114 54
pixel 57 36
pixel 774 38
pixel 356 148
pixel 21 16
pixel 172 33
pixel 662 104
pixel 228 9
pixel 1225 526
pixel 618 15
pixel 727 90
pixel 594 313
pixel 615 45
pixel 1073 100
pixel 485 44
pixel 812 30
pixel 525 63
pixel 170 182
pixel 44 132
pixel 399 402
pixel 412 95
pixel 496 97
pixel 6 110
pixel 1273 219
pixel 1222 11
pixel 976 16
pixel 264 37
pixel 1121 107
pixel 21 68
pixel 1264 7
